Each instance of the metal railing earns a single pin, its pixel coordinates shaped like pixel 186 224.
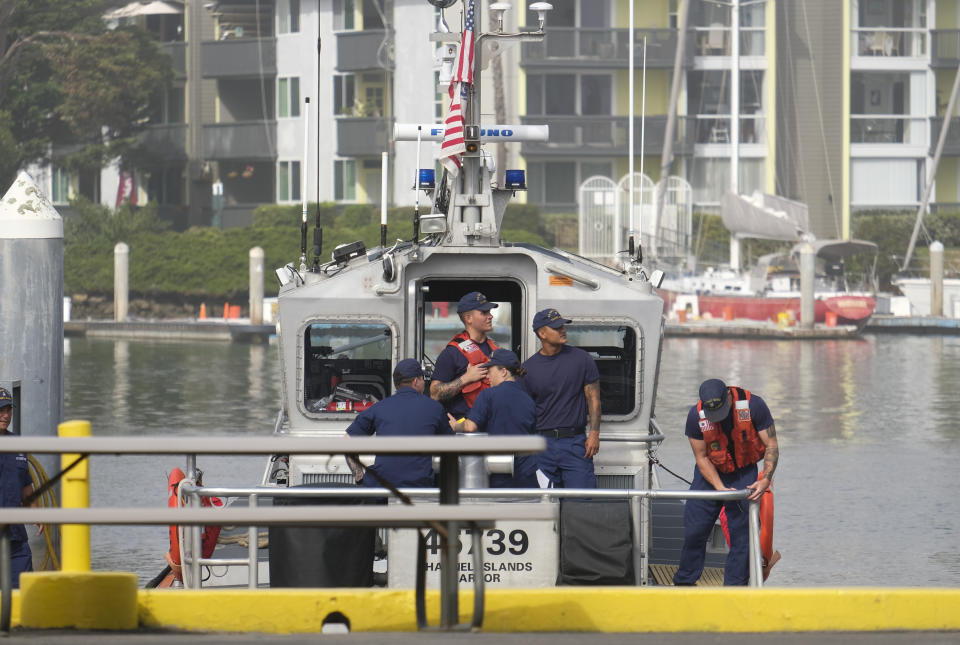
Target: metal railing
pixel 448 513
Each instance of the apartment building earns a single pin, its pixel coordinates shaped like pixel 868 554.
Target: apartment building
pixel 838 104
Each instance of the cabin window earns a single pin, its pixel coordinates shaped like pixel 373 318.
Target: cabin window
pixel 348 366
pixel 441 321
pixel 614 348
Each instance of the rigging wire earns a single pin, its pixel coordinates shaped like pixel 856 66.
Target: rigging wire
pixel 823 134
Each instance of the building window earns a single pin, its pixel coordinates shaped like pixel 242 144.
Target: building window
pixel 373 100
pixel 60 186
pixel 288 181
pixel 553 182
pixel 344 95
pixel 288 97
pixel 345 180
pixel 288 21
pixel 343 15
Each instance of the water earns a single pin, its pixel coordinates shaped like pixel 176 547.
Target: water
pixel 868 439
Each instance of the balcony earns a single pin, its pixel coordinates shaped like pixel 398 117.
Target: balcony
pixel 952 144
pixel 888 129
pixel 603 136
pixel 890 42
pixel 167 142
pixel 361 136
pixel 945 51
pixel 579 48
pixel 237 58
pixel 246 141
pixel 364 50
pixel 177 51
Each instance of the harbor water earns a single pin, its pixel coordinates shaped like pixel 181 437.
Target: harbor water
pixel 868 430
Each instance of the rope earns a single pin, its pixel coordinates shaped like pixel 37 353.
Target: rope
pixel 47 499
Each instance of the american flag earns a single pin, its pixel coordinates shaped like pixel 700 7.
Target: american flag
pixel 452 144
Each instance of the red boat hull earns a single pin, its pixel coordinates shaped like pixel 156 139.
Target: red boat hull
pixel 850 309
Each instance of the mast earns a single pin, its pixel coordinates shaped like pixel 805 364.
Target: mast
pixel 735 121
pixel 932 175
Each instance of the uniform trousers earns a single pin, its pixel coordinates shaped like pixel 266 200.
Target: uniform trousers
pixel 21 560
pixel 699 517
pixel 563 463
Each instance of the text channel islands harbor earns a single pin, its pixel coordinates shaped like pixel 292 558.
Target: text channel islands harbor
pixel 867 430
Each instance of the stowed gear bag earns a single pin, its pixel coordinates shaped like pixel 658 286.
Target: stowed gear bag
pixel 596 546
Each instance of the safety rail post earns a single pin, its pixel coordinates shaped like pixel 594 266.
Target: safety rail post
pixel 6 581
pixel 756 557
pixel 195 547
pixel 253 572
pixel 75 493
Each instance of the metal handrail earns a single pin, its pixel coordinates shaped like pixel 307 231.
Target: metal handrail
pixel 640 543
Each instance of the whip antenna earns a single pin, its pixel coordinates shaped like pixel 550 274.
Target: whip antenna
pixel 303 185
pixel 416 188
pixel 317 230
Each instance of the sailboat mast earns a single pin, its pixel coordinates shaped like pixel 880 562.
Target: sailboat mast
pixel 932 175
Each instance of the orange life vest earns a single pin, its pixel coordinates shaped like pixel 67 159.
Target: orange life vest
pixel 747 445
pixel 475 356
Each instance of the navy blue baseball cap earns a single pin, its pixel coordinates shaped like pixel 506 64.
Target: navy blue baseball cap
pixel 549 318
pixel 475 301
pixel 408 368
pixel 503 358
pixel 5 399
pixel 714 400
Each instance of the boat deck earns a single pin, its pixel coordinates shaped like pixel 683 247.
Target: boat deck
pixel 662 574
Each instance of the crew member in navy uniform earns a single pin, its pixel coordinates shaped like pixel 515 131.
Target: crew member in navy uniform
pixel 504 409
pixel 405 414
pixel 730 430
pixel 15 487
pixel 565 386
pixel 459 375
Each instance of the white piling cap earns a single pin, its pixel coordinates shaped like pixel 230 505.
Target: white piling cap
pixel 26 213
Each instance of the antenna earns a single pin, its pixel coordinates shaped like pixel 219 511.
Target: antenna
pixel 416 188
pixel 317 231
pixel 384 164
pixel 303 184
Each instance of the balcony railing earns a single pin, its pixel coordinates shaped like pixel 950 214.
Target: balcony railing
pixel 952 144
pixel 606 48
pixel 248 57
pixel 363 50
pixel 946 48
pixel 177 52
pixel 361 136
pixel 890 42
pixel 248 140
pixel 871 128
pixel 167 142
pixel 602 136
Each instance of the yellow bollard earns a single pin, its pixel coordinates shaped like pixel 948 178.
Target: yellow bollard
pixel 75 493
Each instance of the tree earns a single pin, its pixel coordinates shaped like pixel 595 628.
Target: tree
pixel 67 79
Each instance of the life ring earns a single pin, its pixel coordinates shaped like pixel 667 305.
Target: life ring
pixel 208 538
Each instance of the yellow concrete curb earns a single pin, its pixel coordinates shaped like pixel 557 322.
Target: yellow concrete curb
pixel 78 600
pixel 596 609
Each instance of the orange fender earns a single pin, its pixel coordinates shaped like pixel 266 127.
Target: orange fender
pixel 770 557
pixel 209 535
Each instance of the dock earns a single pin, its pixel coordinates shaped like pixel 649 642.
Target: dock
pixel 234 329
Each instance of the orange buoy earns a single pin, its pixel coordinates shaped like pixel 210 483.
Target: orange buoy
pixel 226 310
pixel 203 311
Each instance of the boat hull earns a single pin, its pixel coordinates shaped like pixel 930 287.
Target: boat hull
pixel 850 309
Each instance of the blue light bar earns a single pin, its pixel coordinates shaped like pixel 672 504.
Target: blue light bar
pixel 426 179
pixel 515 180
